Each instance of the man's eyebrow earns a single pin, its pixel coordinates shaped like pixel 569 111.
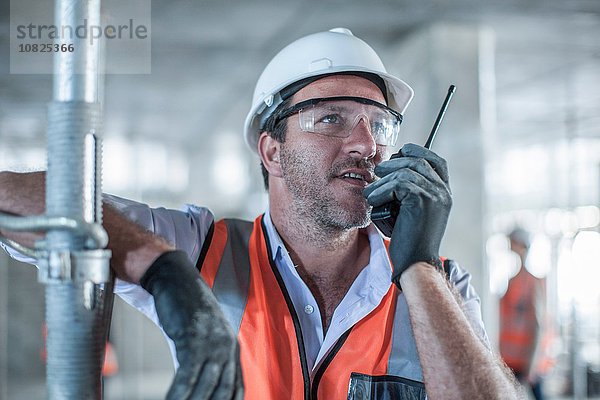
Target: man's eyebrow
pixel 336 107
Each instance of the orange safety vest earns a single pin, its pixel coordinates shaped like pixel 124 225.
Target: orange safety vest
pixel 366 362
pixel 519 323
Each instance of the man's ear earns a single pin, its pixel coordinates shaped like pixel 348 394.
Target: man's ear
pixel 268 151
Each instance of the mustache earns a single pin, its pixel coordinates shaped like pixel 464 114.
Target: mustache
pixel 343 165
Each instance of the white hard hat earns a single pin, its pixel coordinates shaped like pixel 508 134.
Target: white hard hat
pixel 323 53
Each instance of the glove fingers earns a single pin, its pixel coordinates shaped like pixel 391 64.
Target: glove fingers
pixel 207 383
pixel 438 163
pixel 391 191
pixel 239 382
pixel 225 389
pixel 239 395
pixel 184 381
pixel 421 165
pixel 394 184
pixel 418 165
pixel 375 185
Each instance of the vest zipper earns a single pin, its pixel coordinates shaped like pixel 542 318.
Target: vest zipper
pixel 326 361
pixel 290 305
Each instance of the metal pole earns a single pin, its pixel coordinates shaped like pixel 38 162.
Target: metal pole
pixel 76 310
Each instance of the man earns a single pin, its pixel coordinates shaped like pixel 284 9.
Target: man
pixel 307 287
pixel 522 321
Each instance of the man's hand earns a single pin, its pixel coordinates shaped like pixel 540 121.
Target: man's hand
pixel 419 182
pixel 207 349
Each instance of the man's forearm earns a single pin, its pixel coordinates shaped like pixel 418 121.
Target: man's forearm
pixel 133 249
pixel 455 362
pixel 22 194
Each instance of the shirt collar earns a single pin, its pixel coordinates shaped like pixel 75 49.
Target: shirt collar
pixel 274 240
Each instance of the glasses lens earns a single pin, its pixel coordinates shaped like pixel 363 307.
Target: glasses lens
pixel 338 118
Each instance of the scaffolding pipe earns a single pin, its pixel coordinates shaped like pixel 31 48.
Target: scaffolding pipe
pixel 77 311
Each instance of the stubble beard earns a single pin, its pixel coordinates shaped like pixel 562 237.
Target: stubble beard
pixel 311 199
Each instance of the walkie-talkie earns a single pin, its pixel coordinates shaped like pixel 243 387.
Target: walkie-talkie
pixel 384 217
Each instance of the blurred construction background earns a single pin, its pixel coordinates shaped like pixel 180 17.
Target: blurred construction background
pixel 522 138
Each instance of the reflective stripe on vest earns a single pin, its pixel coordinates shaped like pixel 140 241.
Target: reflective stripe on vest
pixel 239 268
pixel 231 283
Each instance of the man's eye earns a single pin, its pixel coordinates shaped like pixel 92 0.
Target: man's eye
pixel 377 127
pixel 331 119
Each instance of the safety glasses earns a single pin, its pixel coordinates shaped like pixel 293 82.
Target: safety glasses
pixel 337 117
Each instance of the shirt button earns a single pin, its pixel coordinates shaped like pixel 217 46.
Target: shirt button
pixel 309 309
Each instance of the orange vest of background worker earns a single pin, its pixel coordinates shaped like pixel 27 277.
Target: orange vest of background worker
pixel 523 334
pixel 376 357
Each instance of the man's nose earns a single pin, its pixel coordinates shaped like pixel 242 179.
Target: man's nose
pixel 361 142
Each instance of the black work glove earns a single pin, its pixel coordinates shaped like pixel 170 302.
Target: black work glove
pixel 419 182
pixel 207 350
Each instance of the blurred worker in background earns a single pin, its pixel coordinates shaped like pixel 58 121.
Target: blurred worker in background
pixel 523 319
pixel 323 306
